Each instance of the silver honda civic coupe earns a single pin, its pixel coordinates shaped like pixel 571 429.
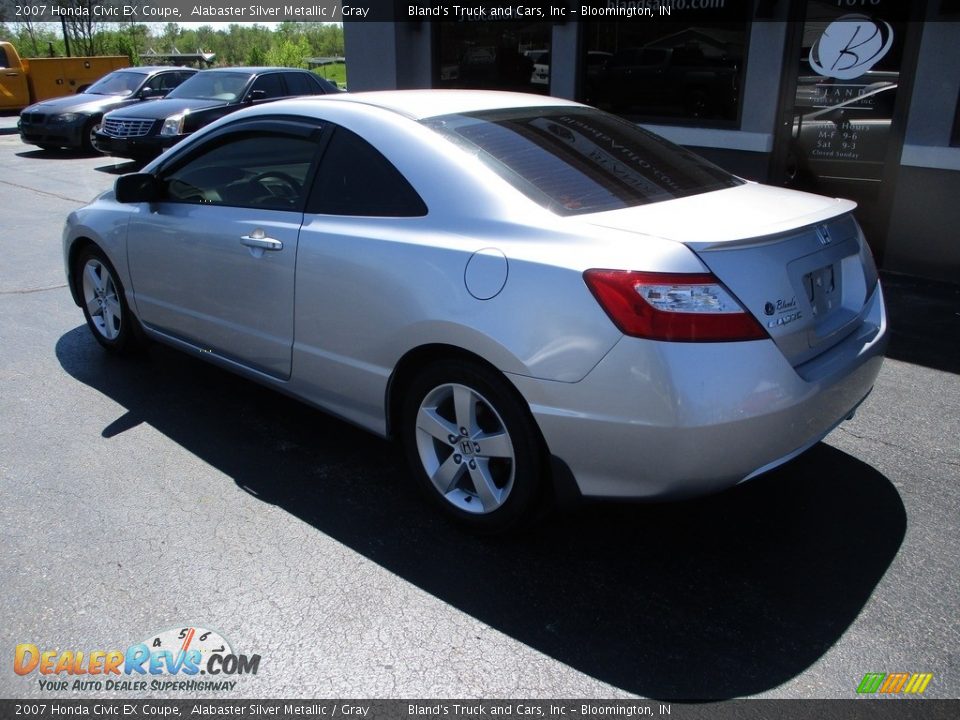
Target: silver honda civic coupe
pixel 534 296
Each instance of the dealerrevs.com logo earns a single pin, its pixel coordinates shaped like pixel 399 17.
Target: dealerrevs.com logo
pixel 894 683
pixel 173 660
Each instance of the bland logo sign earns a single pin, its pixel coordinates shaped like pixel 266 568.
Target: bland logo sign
pixel 850 46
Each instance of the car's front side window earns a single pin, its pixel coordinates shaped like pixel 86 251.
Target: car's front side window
pixel 270 85
pixel 168 81
pixel 252 169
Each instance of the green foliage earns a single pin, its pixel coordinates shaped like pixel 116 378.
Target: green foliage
pixel 290 44
pixel 335 73
pixel 257 56
pixel 289 52
pixel 33 39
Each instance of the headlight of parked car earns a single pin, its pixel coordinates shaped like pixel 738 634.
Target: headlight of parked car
pixel 65 118
pixel 173 125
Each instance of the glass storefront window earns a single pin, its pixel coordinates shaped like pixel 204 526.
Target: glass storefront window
pixel 494 56
pixel 955 137
pixel 670 71
pixel 843 115
pixel 849 74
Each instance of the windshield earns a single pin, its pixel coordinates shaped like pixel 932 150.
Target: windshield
pixel 580 160
pixel 117 83
pixel 225 86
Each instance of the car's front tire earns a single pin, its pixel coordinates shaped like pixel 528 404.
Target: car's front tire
pixel 472 445
pixel 104 305
pixel 88 136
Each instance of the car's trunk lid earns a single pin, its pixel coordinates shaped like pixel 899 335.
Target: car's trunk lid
pixel 794 260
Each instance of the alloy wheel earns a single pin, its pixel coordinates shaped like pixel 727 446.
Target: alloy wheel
pixel 465 448
pixel 101 300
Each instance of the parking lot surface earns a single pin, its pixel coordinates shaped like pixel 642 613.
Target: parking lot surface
pixel 147 495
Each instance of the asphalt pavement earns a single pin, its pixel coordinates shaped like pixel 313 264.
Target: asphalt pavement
pixel 159 493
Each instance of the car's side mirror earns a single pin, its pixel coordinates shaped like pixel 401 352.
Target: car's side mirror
pixel 151 93
pixel 256 95
pixel 137 188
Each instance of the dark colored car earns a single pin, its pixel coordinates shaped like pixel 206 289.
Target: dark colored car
pixel 71 121
pixel 144 132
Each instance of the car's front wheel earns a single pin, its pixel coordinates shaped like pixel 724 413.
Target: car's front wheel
pixel 472 445
pixel 87 141
pixel 104 305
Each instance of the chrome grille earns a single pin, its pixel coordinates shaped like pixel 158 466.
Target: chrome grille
pixel 124 128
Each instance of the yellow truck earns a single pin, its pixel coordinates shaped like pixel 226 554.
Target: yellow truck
pixel 25 81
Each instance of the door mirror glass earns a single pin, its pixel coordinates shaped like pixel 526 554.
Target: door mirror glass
pixel 137 188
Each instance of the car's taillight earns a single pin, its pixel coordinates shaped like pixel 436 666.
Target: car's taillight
pixel 671 306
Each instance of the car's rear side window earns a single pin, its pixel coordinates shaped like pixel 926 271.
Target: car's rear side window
pixel 355 179
pixel 580 160
pixel 301 84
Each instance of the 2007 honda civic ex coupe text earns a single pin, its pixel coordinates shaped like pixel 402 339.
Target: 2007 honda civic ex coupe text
pixel 528 292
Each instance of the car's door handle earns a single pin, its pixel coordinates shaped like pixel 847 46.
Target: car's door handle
pixel 258 240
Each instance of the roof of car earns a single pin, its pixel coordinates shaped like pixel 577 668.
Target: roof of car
pixel 253 70
pixel 147 69
pixel 419 104
pixel 154 68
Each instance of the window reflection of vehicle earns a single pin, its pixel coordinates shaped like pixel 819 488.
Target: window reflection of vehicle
pixel 841 129
pixel 597 62
pixel 501 66
pixel 668 81
pixel 541 66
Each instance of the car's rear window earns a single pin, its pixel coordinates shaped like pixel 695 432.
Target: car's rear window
pixel 580 160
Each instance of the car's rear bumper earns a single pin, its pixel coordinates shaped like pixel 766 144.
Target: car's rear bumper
pixel 668 420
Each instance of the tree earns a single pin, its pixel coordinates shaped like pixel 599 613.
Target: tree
pixel 80 27
pixel 289 52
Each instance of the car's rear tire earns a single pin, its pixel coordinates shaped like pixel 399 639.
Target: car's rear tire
pixel 472 445
pixel 103 302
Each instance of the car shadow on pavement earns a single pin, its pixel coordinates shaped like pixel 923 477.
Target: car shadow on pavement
pixel 716 598
pixel 121 168
pixel 60 154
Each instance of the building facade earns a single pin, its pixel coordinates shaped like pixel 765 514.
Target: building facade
pixel 849 98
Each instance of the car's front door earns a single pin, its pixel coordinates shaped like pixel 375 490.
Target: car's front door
pixel 212 263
